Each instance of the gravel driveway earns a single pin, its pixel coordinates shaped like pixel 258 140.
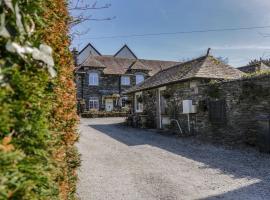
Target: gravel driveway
pixel 122 163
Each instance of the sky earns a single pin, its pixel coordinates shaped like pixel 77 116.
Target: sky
pixel 159 16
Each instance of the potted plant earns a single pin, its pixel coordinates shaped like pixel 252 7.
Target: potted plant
pixel 140 99
pixel 167 95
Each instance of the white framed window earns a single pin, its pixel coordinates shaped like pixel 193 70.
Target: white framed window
pixel 94 103
pixel 138 102
pixel 93 78
pixel 139 78
pixel 125 80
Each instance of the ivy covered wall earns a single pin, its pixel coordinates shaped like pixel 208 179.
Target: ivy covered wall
pixel 227 112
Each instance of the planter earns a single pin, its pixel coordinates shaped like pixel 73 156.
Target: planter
pixel 165 122
pixel 143 119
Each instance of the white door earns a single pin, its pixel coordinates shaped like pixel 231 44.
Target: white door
pixel 109 105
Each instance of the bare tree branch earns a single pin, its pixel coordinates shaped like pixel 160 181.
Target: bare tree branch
pixel 80 14
pixel 81 19
pixel 88 6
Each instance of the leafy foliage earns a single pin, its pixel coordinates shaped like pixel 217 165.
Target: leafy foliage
pixel 213 90
pixel 256 61
pixel 37 111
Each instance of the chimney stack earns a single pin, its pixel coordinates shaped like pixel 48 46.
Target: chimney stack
pixel 75 56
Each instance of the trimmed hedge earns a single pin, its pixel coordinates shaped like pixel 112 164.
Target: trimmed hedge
pixel 37 110
pixel 101 114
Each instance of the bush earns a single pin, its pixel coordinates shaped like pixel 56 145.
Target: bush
pixel 37 129
pixel 100 114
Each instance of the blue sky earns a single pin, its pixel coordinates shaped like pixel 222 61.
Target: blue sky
pixel 155 16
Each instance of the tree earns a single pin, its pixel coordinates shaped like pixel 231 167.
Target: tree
pixel 80 12
pixel 257 61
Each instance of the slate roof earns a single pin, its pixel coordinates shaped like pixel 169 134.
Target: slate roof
pixel 113 65
pixel 203 67
pixel 138 65
pixel 260 66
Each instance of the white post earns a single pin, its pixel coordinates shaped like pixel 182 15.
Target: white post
pixel 159 109
pixel 188 123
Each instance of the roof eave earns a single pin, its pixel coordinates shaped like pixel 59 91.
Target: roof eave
pixel 161 85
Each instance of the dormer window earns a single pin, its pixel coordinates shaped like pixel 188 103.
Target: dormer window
pixel 125 80
pixel 93 78
pixel 139 78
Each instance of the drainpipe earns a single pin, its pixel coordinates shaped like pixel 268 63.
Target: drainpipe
pixel 82 85
pixel 119 84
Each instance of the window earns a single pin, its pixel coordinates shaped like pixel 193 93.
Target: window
pixel 93 78
pixel 139 78
pixel 138 102
pixel 94 103
pixel 125 80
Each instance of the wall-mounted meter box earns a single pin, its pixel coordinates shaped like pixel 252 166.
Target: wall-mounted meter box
pixel 188 107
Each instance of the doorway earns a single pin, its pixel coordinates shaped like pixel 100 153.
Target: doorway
pixel 109 105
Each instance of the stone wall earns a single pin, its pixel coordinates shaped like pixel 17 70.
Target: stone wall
pixel 108 84
pixel 245 100
pixel 242 100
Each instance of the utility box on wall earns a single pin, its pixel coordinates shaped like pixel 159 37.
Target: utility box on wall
pixel 188 107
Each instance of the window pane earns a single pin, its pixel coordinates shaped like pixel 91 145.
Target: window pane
pixel 125 80
pixel 93 78
pixel 139 78
pixel 93 103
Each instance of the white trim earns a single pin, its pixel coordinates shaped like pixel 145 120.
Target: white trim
pixel 159 108
pixel 139 80
pixel 95 101
pixel 138 107
pixel 125 80
pixel 162 88
pixel 93 78
pixel 159 105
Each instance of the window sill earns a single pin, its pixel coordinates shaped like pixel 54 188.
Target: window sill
pixel 138 111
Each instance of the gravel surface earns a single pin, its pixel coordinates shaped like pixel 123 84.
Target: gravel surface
pixel 122 163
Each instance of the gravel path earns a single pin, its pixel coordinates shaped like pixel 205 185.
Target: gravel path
pixel 122 163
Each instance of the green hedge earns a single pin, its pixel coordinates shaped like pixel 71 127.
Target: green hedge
pixel 29 168
pixel 101 114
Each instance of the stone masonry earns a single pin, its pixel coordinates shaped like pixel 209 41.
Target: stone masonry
pixel 234 105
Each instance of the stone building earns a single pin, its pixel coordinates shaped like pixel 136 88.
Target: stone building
pixel 102 79
pixel 207 98
pixel 256 67
pixel 159 99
